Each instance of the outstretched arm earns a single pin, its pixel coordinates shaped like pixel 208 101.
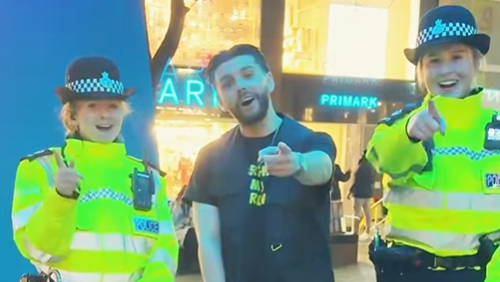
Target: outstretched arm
pixel 391 151
pixel 340 175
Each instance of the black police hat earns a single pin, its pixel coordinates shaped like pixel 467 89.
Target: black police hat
pixel 447 24
pixel 92 78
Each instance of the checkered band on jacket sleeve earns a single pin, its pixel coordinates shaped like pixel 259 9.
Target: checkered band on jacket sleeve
pixel 445 30
pixel 90 85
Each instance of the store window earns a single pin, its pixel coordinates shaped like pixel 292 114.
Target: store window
pixel 210 26
pixel 305 30
pixel 338 133
pixel 356 40
pixel 179 141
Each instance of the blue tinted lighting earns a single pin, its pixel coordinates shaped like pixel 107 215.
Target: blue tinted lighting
pixel 193 92
pixel 348 101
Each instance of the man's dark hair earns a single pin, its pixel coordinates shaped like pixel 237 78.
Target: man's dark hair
pixel 235 51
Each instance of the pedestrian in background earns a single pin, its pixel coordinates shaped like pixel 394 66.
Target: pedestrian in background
pixel 362 191
pixel 338 176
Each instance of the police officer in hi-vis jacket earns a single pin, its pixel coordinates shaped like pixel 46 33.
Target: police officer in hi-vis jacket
pixel 443 158
pixel 87 209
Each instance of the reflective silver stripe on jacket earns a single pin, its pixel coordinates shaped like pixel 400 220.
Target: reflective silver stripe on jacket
pixel 70 276
pixel 163 256
pixel 434 199
pixel 45 163
pixel 21 218
pixel 90 241
pixel 39 255
pixel 439 240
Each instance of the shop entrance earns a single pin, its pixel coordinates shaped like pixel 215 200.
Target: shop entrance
pixel 179 141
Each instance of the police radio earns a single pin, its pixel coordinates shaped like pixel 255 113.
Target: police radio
pixel 142 189
pixel 492 134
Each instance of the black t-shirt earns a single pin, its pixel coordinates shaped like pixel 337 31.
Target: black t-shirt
pixel 199 190
pixel 255 226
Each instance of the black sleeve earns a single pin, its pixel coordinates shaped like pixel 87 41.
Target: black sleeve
pixel 340 175
pixel 199 186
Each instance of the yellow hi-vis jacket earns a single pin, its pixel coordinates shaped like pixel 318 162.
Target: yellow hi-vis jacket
pixel 439 199
pixel 100 237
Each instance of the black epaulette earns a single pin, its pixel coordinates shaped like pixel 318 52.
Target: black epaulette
pixel 399 114
pixel 149 164
pixel 37 155
pixel 155 167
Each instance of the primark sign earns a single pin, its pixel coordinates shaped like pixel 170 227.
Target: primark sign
pixel 348 101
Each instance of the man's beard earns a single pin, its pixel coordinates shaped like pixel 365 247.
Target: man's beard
pixel 256 117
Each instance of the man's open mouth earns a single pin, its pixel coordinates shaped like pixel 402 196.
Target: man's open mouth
pixel 247 101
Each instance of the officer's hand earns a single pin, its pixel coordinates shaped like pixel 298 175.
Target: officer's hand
pixel 426 123
pixel 67 178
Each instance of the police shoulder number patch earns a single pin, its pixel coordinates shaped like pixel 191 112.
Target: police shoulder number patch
pixel 399 114
pixel 36 155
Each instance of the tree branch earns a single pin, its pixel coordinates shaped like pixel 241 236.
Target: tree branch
pixel 170 43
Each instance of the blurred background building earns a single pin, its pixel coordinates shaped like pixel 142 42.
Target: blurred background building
pixel 338 64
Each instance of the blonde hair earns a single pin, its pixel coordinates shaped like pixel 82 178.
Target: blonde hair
pixel 70 109
pixel 476 57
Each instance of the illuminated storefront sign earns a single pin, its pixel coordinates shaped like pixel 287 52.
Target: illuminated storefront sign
pixel 186 88
pixel 348 101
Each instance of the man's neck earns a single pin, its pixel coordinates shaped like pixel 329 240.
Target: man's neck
pixel 263 128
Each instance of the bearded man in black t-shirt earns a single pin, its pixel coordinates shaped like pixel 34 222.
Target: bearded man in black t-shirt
pixel 260 193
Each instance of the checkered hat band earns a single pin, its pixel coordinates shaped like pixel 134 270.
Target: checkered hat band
pixel 90 85
pixel 445 30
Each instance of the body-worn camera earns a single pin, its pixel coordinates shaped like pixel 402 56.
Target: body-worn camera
pixel 142 189
pixel 492 134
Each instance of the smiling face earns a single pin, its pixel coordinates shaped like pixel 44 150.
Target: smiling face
pixel 449 70
pixel 100 120
pixel 244 89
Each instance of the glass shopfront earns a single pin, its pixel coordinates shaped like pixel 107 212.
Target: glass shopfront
pixel 346 108
pixel 180 140
pixel 187 118
pixel 343 38
pixel 210 26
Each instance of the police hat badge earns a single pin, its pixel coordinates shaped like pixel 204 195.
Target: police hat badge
pixel 447 24
pixel 93 78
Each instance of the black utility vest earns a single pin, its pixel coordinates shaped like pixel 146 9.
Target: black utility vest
pixel 297 218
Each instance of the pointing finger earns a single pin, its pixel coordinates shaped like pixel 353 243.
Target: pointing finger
pixel 431 125
pixel 79 176
pixel 432 109
pixel 59 160
pixel 271 150
pixel 442 126
pixel 284 149
pixel 434 113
